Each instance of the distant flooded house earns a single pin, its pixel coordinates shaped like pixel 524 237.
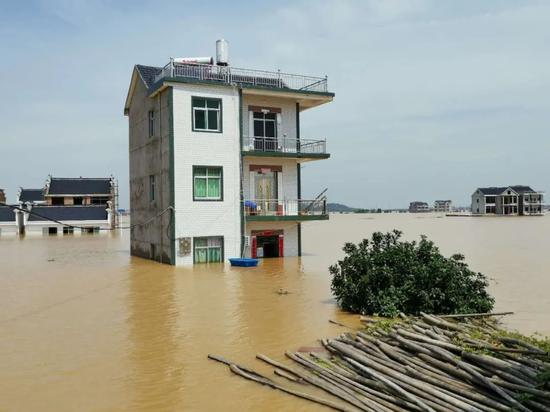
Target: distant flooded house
pixel 64 206
pixel 215 160
pixel 444 206
pixel 507 200
pixel 2 196
pixel 53 220
pixel 418 207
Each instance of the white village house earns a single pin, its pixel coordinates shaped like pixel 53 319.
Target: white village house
pixel 215 156
pixel 507 200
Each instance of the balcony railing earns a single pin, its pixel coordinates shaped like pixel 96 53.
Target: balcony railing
pixel 244 77
pixel 292 207
pixel 284 145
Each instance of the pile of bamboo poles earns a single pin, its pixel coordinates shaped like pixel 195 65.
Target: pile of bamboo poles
pixel 428 363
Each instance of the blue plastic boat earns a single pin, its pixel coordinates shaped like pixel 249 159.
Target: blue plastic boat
pixel 244 262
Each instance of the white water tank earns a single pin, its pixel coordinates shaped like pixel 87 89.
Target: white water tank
pixel 222 52
pixel 194 60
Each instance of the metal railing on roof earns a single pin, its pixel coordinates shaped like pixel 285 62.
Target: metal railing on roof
pixel 244 77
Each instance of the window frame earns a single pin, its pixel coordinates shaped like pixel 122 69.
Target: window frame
pixel 152 188
pixel 206 109
pixel 264 122
pixel 207 199
pixel 222 252
pixel 151 123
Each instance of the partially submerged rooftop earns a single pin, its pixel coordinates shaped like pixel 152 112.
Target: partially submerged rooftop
pixel 68 213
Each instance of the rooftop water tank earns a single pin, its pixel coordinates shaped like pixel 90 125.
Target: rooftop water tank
pixel 222 52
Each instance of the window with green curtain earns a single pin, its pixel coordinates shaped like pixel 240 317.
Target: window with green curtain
pixel 207 183
pixel 207 114
pixel 208 249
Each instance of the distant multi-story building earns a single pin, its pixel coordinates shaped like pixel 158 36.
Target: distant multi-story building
pixel 444 206
pixel 2 196
pixel 507 200
pixel 418 207
pixel 215 160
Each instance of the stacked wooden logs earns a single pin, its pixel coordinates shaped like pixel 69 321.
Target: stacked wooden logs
pixel 428 363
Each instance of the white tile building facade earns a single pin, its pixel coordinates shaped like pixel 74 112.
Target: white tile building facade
pixel 215 156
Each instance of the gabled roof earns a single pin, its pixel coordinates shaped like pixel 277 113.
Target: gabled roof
pixel 67 213
pixel 79 186
pixel 497 190
pixel 146 74
pixel 31 195
pixel 7 214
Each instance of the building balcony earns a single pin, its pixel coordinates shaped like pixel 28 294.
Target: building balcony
pixel 286 210
pixel 242 77
pixel 285 147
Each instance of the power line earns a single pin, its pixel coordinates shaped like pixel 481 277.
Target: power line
pixel 30 212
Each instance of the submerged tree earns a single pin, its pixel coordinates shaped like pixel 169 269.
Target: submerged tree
pixel 386 276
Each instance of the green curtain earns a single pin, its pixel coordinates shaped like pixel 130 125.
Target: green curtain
pixel 214 254
pixel 214 187
pixel 201 255
pixel 200 187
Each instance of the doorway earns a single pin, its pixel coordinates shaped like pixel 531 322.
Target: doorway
pixel 268 246
pixel 265 185
pixel 267 243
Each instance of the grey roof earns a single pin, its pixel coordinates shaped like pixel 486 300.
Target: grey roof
pixel 499 189
pixel 65 213
pixel 79 186
pixel 148 73
pixel 7 214
pixel 31 195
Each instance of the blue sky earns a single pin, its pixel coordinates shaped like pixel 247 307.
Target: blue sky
pixel 433 98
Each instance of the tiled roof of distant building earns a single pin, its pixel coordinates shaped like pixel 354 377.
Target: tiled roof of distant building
pixel 79 186
pixel 7 214
pixel 67 213
pixel 31 195
pixel 498 190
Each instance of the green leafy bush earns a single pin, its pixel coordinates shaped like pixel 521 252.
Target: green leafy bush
pixel 386 276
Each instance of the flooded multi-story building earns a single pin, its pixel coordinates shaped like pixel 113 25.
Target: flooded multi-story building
pixel 507 200
pixel 215 160
pixel 443 206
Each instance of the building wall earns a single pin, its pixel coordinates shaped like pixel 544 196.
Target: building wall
pixel 478 203
pixel 290 234
pixel 207 218
pixel 8 228
pixel 149 156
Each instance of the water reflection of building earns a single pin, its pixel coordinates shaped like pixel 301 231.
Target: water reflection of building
pixel 221 149
pixel 507 200
pixel 156 376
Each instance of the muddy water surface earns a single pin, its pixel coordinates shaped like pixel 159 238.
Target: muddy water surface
pixel 85 327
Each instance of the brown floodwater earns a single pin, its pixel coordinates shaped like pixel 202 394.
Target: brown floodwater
pixel 85 327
